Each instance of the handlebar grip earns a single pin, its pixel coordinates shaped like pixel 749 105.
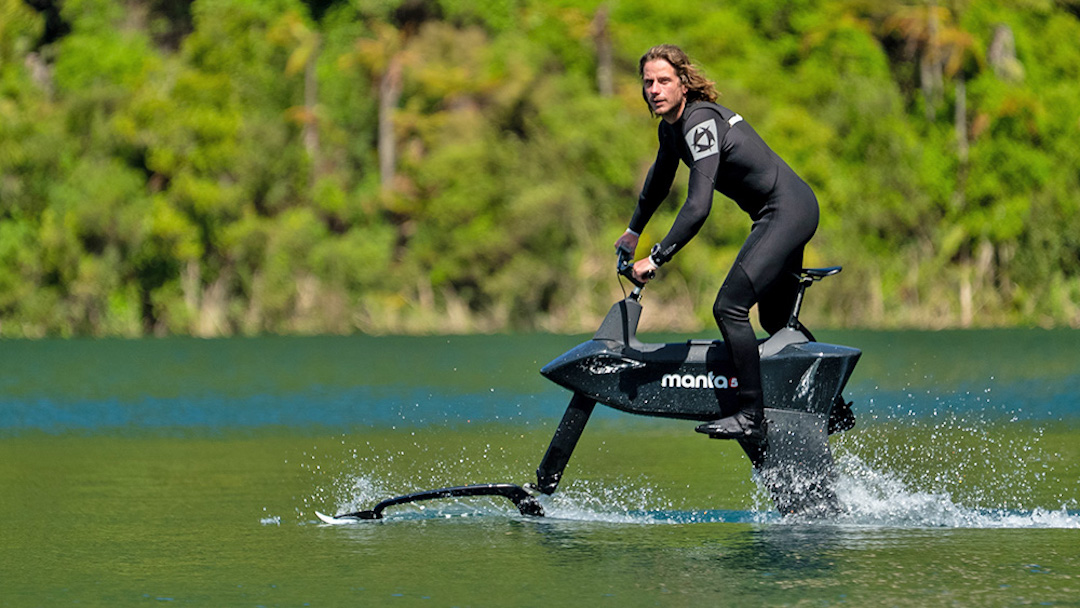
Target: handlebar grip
pixel 625 266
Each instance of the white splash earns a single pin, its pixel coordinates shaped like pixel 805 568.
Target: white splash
pixel 880 498
pixel 806 383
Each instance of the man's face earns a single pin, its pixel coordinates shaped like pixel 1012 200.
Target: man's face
pixel 663 90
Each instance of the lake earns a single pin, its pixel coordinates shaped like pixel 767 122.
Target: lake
pixel 185 471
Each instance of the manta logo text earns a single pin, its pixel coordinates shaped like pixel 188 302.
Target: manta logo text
pixel 699 381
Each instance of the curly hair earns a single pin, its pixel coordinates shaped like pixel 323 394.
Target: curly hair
pixel 698 88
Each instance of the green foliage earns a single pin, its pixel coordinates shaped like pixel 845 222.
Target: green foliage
pixel 19 27
pixel 451 165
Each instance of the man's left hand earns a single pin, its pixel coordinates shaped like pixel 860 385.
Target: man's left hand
pixel 644 270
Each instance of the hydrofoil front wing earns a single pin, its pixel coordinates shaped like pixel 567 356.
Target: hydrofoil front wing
pixel 522 499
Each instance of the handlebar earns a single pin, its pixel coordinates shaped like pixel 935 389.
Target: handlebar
pixel 625 267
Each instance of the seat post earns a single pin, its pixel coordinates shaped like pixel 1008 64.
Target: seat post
pixel 805 278
pixel 793 321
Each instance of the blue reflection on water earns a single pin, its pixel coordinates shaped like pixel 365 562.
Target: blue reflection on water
pixel 387 406
pixel 348 382
pixel 361 406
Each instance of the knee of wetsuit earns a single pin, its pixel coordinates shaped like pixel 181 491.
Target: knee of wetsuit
pixel 728 309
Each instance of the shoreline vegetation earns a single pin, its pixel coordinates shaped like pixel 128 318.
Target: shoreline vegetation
pixel 245 167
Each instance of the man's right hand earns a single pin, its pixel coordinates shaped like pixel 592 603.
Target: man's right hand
pixel 628 241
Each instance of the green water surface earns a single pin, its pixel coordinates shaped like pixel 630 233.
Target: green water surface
pixel 188 472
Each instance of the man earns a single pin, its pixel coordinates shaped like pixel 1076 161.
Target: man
pixel 725 154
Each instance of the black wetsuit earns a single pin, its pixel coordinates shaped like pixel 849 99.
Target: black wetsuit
pixel 724 153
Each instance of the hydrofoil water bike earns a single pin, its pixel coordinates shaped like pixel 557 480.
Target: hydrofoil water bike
pixel 802 381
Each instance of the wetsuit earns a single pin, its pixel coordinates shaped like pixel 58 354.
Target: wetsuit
pixel 725 154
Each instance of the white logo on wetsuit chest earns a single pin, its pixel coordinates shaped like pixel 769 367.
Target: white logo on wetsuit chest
pixel 702 140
